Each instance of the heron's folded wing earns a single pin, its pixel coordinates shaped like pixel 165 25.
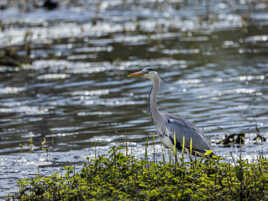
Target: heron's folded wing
pixel 183 129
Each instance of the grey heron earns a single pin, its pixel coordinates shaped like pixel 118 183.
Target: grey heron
pixel 173 129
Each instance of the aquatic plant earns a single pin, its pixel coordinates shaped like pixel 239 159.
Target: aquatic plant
pixel 121 176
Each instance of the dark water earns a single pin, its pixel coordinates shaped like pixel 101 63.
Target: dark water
pixel 75 99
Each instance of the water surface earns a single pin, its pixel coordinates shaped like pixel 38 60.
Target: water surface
pixel 75 99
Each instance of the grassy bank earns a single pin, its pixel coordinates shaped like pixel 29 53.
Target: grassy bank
pixel 123 177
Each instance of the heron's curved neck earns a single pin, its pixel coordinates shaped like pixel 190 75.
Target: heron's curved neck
pixel 152 98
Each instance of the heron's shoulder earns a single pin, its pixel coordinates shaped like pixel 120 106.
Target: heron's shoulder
pixel 173 118
pixel 177 120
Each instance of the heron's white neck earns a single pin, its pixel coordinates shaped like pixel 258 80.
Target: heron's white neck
pixel 152 98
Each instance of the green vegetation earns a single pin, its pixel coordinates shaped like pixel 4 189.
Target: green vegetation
pixel 123 177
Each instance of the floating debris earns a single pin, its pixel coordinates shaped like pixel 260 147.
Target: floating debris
pixel 50 5
pixel 259 138
pixel 9 57
pixel 239 138
pixel 236 138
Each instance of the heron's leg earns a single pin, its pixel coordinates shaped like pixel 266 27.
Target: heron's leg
pixel 173 158
pixel 170 156
pixel 189 154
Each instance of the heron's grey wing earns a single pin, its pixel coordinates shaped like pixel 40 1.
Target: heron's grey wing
pixel 182 128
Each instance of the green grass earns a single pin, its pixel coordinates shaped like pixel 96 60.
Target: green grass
pixel 123 177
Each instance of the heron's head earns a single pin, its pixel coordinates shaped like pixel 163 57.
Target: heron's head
pixel 146 72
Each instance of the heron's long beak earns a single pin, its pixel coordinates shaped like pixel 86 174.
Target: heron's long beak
pixel 136 74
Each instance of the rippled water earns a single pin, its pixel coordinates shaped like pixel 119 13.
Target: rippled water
pixel 75 99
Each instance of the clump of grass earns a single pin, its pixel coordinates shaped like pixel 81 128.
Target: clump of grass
pixel 123 177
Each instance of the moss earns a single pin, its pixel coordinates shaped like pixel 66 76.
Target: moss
pixel 124 177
